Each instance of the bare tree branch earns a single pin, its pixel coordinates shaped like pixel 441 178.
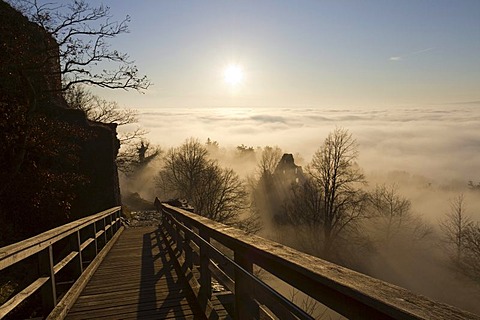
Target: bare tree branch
pixel 336 173
pixel 82 33
pixel 214 192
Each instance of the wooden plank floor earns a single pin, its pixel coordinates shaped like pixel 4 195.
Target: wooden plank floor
pixel 137 280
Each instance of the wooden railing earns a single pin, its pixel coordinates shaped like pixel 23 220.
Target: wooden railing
pixel 199 244
pixel 74 248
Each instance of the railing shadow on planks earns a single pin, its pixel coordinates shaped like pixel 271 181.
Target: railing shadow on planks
pixel 200 247
pixel 84 244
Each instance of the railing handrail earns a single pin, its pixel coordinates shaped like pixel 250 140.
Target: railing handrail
pixel 287 304
pixel 93 236
pixel 350 293
pixel 16 252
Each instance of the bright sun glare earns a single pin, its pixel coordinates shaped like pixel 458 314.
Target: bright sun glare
pixel 233 74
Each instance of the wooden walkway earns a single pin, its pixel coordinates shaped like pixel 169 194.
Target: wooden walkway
pixel 137 280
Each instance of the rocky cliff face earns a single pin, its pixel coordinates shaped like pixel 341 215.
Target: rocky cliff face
pixel 55 165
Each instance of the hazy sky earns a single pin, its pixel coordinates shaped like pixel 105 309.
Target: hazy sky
pixel 302 53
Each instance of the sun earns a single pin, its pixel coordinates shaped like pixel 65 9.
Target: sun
pixel 233 75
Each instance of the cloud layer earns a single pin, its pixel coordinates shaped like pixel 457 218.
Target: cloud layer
pixel 440 142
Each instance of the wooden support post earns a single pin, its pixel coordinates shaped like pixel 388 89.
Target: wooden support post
pixel 75 243
pixel 244 305
pixel 49 290
pixel 205 273
pixel 110 229
pixel 113 218
pixel 113 227
pixel 116 217
pixel 95 238
pixel 105 238
pixel 91 251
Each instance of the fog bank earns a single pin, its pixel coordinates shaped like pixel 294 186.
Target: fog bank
pixel 438 142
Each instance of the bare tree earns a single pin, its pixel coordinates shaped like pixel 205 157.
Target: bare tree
pixel 305 206
pixel 250 223
pixel 183 167
pixel 391 217
pixel 336 173
pixel 269 160
pixel 390 212
pixel 455 226
pixel 82 33
pixel 459 235
pixel 472 252
pixel 135 155
pixel 220 195
pixel 98 109
pixel 101 110
pixel 214 192
pixel 462 239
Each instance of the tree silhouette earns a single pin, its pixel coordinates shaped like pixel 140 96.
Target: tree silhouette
pixel 82 33
pixel 269 160
pixel 214 192
pixel 335 172
pixel 392 219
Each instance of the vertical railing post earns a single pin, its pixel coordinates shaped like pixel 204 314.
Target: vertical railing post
pixel 118 215
pixel 114 225
pixel 244 305
pixel 91 251
pixel 75 243
pixel 95 240
pixel 105 237
pixel 110 231
pixel 49 290
pixel 205 274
